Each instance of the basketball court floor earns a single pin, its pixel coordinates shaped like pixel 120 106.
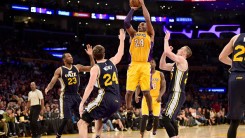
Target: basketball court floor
pixel 187 132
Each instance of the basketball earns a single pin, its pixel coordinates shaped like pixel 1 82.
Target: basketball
pixel 134 3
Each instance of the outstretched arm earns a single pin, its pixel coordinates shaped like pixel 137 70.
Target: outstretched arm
pixel 228 49
pixel 163 65
pixel 150 29
pixel 169 52
pixel 131 31
pixel 92 80
pixel 53 80
pixel 89 51
pixel 117 58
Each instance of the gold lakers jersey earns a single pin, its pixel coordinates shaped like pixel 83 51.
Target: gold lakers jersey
pixel 156 84
pixel 141 47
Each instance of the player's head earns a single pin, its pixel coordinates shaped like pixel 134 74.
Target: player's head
pixel 99 52
pixel 142 27
pixel 33 86
pixel 153 63
pixel 67 58
pixel 185 51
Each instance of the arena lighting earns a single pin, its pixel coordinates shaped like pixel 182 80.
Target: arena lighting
pixel 139 18
pixel 42 10
pixel 81 14
pixel 217 33
pixel 56 54
pixel 102 16
pixel 210 89
pixel 55 49
pixel 158 19
pixel 171 20
pixel 64 13
pixel 189 35
pixel 120 17
pixel 183 19
pixel 20 8
pixel 189 0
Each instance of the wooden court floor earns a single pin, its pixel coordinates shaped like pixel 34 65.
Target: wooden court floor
pixel 188 132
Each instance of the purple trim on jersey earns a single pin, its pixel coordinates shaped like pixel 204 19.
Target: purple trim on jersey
pixel 150 56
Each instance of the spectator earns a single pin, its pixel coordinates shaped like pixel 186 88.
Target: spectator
pixel 9 117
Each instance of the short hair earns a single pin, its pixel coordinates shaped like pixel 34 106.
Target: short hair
pixel 64 55
pixel 98 52
pixel 188 51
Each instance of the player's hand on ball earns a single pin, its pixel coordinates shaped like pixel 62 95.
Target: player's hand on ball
pixel 89 50
pixel 122 34
pixel 167 36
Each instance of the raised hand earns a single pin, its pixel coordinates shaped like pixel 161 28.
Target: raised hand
pixel 167 36
pixel 89 50
pixel 122 34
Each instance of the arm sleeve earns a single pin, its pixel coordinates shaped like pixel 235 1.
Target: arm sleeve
pixel 128 19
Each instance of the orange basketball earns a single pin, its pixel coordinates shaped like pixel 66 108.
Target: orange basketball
pixel 134 3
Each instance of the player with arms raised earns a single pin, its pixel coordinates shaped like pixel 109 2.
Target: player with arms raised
pixel 139 70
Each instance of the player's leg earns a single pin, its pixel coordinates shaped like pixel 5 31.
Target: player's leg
pixel 83 125
pixel 168 126
pixel 173 106
pixel 65 113
pixel 156 113
pixel 175 125
pixel 233 129
pixel 145 85
pixel 145 113
pixel 155 124
pixel 235 102
pixel 77 100
pixel 98 127
pixel 128 99
pixel 148 100
pixel 132 82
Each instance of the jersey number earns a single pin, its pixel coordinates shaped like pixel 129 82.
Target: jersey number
pixel 72 81
pixel 154 86
pixel 109 79
pixel 237 56
pixel 139 42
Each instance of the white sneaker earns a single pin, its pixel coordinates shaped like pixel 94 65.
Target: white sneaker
pixel 116 130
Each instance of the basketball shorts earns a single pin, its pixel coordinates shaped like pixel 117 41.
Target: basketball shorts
pixel 69 103
pixel 156 107
pixel 139 73
pixel 104 106
pixel 236 95
pixel 174 104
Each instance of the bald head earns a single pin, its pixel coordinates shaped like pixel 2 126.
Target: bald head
pixel 33 86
